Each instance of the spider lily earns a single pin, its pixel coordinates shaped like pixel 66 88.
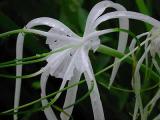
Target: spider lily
pixel 70 63
pixel 152 47
pixel 76 58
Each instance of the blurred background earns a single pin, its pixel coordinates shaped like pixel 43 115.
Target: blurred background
pixel 15 14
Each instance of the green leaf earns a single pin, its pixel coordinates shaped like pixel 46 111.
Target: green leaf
pixel 36 84
pixel 6 23
pixel 82 17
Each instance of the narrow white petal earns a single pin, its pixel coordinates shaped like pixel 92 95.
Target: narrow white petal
pixel 157 117
pixel 19 55
pixel 123 38
pixel 71 66
pixel 155 48
pixel 71 95
pixel 137 84
pixel 128 14
pixel 95 97
pixel 58 55
pixel 138 103
pixel 151 104
pixel 133 42
pixel 124 14
pixel 54 35
pixel 48 111
pixel 56 60
pixel 98 33
pixel 135 114
pixel 145 48
pixel 95 12
pixel 59 73
pixel 53 23
pixel 50 115
pixel 156 64
pixel 142 59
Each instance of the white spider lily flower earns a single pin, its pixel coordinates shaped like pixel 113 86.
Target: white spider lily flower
pixel 59 33
pixel 152 46
pixel 70 63
pixel 124 14
pixel 153 49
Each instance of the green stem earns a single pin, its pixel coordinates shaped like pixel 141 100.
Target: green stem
pixel 7 34
pixel 33 59
pixel 24 59
pixel 48 96
pixel 142 7
pixel 109 51
pixel 24 63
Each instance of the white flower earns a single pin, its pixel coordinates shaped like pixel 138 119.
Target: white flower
pixel 72 62
pixel 69 64
pixel 152 46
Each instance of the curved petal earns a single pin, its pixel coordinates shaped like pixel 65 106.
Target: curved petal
pixel 137 82
pixel 19 49
pixel 53 35
pixel 124 14
pixel 53 23
pixel 157 117
pixel 71 95
pixel 56 61
pixel 133 42
pixel 156 64
pixel 151 104
pixel 48 111
pixel 127 14
pixel 71 66
pixel 95 13
pixel 95 97
pixel 142 59
pixel 19 55
pixel 135 110
pixel 155 42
